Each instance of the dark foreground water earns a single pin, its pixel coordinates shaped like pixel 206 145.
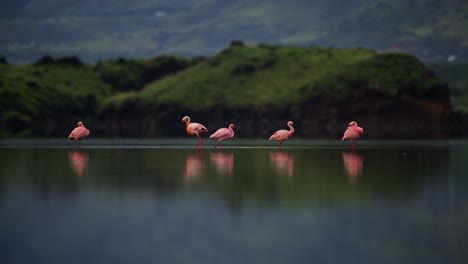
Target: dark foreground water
pixel 162 201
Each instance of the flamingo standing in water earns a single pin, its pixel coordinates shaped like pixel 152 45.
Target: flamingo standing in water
pixel 353 132
pixel 222 134
pixel 283 135
pixel 194 129
pixel 79 133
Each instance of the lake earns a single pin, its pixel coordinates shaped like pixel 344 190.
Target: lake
pixel 164 201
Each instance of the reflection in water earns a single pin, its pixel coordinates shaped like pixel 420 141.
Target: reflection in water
pixel 79 161
pixel 223 162
pixel 193 166
pixel 282 162
pixel 353 164
pixel 132 195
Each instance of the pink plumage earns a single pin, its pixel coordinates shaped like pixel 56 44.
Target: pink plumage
pixel 223 134
pixel 194 129
pixel 79 133
pixel 353 132
pixel 283 135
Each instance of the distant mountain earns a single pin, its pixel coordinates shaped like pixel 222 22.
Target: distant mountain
pixel 431 29
pixel 102 29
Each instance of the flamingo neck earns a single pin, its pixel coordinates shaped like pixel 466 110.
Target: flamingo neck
pixel 187 121
pixel 291 130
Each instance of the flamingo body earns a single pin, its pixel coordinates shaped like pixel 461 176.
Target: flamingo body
pixel 353 132
pixel 194 129
pixel 78 133
pixel 283 135
pixel 223 134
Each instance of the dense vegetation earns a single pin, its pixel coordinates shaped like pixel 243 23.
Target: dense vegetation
pixel 243 76
pixel 240 83
pixel 38 99
pixel 47 93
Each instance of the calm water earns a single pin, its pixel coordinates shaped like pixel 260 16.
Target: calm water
pixel 162 201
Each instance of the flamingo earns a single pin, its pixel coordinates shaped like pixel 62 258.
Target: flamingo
pixel 283 135
pixel 353 132
pixel 79 133
pixel 194 129
pixel 222 134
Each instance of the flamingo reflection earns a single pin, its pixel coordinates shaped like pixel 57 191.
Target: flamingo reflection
pixel 79 161
pixel 193 166
pixel 283 162
pixel 223 162
pixel 353 164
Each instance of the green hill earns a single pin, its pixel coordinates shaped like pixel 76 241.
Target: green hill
pixel 264 86
pixel 262 76
pixel 44 95
pixel 42 98
pixel 257 87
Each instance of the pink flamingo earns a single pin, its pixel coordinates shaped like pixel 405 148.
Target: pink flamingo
pixel 283 135
pixel 79 133
pixel 194 129
pixel 353 132
pixel 222 134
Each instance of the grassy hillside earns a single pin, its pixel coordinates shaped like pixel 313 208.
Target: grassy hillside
pixel 248 83
pixel 261 76
pixel 39 98
pixel 46 93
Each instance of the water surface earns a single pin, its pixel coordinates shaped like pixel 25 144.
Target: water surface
pixel 164 201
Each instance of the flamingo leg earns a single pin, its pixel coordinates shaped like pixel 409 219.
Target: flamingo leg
pixel 353 145
pixel 280 144
pixel 201 140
